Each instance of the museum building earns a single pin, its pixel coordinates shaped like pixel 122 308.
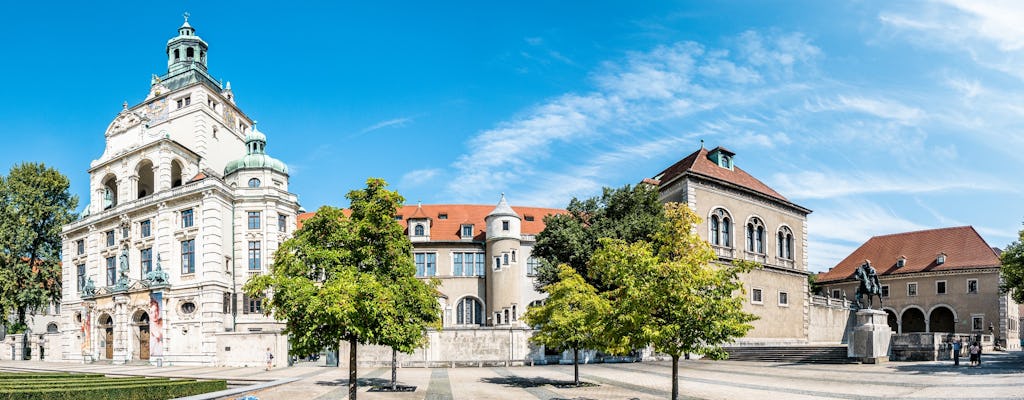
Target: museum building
pixel 744 219
pixel 185 205
pixel 937 280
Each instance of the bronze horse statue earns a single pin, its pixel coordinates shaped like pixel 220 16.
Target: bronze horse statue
pixel 869 285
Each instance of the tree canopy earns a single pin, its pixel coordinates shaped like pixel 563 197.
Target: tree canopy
pixel 35 204
pixel 350 278
pixel 1013 269
pixel 629 213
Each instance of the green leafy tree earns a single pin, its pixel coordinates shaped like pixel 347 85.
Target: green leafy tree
pixel 1013 269
pixel 629 213
pixel 669 293
pixel 35 203
pixel 572 317
pixel 350 278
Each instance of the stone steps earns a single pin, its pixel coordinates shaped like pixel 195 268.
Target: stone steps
pixel 792 354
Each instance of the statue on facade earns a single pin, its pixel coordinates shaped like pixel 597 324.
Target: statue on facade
pixel 89 289
pixel 108 198
pixel 122 273
pixel 868 284
pixel 157 276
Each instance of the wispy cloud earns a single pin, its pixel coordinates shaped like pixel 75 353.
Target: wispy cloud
pixel 395 122
pixel 827 184
pixel 419 177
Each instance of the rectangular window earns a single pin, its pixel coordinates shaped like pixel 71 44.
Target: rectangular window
pixel 145 228
pixel 755 296
pixel 254 220
pixel 110 238
pixel 912 289
pixel 783 299
pixel 940 287
pixel 442 216
pixel 226 303
pixel 481 265
pixel 885 291
pixel 254 256
pixel 467 231
pixel 972 286
pixel 977 322
pixel 146 255
pixel 179 102
pixel 457 266
pixel 430 269
pixel 80 244
pixel 125 232
pixel 532 264
pixel 282 223
pixel 111 270
pixel 188 256
pixel 186 218
pixel 504 225
pixel 81 276
pixel 836 293
pixel 252 305
pixel 421 263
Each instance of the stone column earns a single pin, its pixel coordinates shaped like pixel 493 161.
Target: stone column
pixel 133 188
pixel 121 332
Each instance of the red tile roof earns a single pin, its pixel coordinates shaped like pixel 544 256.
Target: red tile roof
pixel 459 214
pixel 699 163
pixel 963 246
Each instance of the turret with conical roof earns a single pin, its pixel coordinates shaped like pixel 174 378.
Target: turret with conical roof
pixel 505 273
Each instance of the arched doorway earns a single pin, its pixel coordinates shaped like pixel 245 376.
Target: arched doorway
pixel 141 323
pixel 941 319
pixel 107 324
pixel 913 321
pixel 894 323
pixel 146 180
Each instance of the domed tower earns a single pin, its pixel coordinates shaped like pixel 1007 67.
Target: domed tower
pixel 505 272
pixel 256 162
pixel 186 50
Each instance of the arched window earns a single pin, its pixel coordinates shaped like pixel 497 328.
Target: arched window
pixel 146 181
pixel 721 228
pixel 418 231
pixel 469 311
pixel 755 235
pixel 51 327
pixel 254 182
pixel 715 231
pixel 109 191
pixel 190 52
pixel 176 174
pixel 785 243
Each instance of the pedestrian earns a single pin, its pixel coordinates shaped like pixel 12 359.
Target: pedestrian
pixel 975 351
pixel 270 359
pixel 956 351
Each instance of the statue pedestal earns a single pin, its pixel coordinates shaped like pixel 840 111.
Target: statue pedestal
pixel 869 341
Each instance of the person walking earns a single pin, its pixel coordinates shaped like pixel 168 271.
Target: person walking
pixel 956 351
pixel 975 351
pixel 270 359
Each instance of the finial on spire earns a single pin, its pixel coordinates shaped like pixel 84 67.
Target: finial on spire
pixel 702 143
pixel 124 106
pixel 186 15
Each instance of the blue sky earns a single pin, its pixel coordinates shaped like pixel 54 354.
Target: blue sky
pixel 880 117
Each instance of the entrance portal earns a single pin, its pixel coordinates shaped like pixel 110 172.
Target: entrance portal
pixel 941 320
pixel 913 321
pixel 141 321
pixel 107 323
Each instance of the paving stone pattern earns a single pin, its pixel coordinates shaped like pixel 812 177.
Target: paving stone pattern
pixel 1001 376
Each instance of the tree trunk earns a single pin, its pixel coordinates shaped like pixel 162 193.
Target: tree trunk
pixel 353 376
pixel 21 315
pixel 675 377
pixel 576 366
pixel 394 369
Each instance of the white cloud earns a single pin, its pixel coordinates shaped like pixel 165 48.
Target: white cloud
pixel 827 184
pixel 418 177
pixel 857 221
pixel 395 122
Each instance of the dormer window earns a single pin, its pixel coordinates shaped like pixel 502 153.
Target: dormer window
pixel 940 259
pixel 418 230
pixel 722 157
pixel 467 231
pixel 442 216
pixel 901 262
pixel 528 218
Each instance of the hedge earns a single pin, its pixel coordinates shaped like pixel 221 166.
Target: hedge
pixel 135 391
pixel 79 383
pixel 33 375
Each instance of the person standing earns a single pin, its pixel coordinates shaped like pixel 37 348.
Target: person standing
pixel 975 351
pixel 956 351
pixel 270 359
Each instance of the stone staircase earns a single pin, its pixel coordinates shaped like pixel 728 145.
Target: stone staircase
pixel 791 354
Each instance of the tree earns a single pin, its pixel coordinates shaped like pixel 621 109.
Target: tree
pixel 350 278
pixel 571 317
pixel 629 213
pixel 1013 269
pixel 670 293
pixel 35 204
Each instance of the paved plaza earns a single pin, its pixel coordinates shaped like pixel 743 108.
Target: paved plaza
pixel 1000 377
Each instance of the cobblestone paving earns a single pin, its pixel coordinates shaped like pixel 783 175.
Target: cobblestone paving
pixel 1000 377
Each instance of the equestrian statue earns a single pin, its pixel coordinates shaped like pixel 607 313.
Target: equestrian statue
pixel 868 285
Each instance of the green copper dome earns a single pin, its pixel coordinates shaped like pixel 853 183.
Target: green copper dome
pixel 256 156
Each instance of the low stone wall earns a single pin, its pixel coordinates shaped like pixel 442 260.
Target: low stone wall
pixel 830 320
pixel 933 346
pixel 454 347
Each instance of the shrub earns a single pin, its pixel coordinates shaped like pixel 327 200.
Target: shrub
pixel 166 389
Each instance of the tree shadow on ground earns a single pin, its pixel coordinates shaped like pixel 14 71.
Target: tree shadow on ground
pixel 991 364
pixel 523 382
pixel 362 382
